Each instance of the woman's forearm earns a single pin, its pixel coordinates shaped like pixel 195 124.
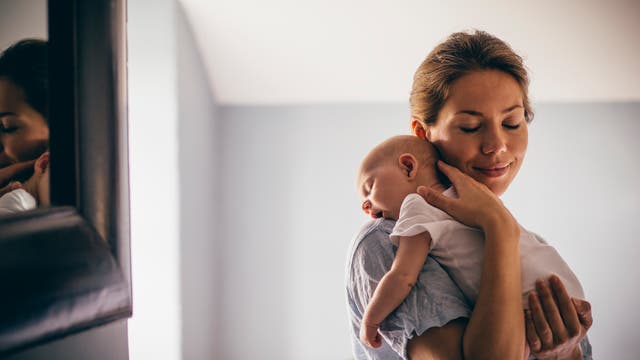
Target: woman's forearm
pixel 496 326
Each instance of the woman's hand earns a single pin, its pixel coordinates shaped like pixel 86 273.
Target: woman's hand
pixel 12 171
pixel 555 323
pixel 476 206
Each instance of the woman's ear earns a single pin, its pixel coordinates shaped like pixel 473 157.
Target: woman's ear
pixel 409 165
pixel 417 128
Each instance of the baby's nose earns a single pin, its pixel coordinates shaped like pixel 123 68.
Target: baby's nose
pixel 366 207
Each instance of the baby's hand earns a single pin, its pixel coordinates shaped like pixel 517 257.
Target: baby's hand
pixel 370 336
pixel 10 187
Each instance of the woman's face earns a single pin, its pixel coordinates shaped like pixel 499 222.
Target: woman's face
pixel 481 129
pixel 24 133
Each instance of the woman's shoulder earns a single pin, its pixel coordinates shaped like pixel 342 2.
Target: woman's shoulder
pixel 376 226
pixel 371 241
pixel 373 234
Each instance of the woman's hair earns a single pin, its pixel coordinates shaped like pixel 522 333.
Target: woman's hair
pixel 460 54
pixel 25 64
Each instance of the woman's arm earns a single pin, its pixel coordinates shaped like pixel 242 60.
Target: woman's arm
pixel 496 327
pixel 11 172
pixel 439 343
pixel 394 285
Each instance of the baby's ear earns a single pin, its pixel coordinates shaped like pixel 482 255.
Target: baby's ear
pixel 42 163
pixel 409 165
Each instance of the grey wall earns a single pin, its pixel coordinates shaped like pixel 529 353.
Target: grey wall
pixel 197 159
pixel 22 19
pixel 290 210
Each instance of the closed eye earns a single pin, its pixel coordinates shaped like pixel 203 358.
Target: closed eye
pixel 8 129
pixel 469 130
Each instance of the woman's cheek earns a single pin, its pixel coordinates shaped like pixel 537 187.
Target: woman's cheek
pixel 29 150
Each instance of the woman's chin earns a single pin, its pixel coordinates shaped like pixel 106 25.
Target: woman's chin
pixel 497 185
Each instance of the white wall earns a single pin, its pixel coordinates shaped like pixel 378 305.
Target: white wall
pixel 336 51
pixel 291 210
pixel 173 151
pixel 198 186
pixel 155 328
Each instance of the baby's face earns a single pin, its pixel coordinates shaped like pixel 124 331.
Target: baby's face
pixel 382 190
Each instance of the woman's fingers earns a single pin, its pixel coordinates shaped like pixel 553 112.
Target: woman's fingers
pixel 452 173
pixel 540 322
pixel 435 198
pixel 532 336
pixel 10 172
pixel 583 308
pixel 565 305
pixel 551 312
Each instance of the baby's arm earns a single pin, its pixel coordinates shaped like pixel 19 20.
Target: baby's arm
pixel 394 285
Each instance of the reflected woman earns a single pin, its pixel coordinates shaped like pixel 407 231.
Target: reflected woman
pixel 24 130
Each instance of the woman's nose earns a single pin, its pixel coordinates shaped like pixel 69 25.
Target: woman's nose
pixel 494 142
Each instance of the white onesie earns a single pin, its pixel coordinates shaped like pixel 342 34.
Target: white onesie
pixel 16 201
pixel 460 248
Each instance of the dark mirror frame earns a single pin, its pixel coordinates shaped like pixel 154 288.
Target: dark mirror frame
pixel 66 268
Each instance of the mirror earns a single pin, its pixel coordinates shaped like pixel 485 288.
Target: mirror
pixel 65 268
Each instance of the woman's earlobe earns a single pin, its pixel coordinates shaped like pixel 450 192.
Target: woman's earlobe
pixel 418 129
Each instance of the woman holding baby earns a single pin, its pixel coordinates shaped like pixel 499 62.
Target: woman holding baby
pixel 24 130
pixel 470 100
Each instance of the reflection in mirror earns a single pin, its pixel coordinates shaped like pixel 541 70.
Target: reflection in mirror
pixel 24 130
pixel 64 269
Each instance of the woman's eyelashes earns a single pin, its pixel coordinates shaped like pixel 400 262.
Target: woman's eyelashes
pixel 7 129
pixel 469 129
pixel 472 129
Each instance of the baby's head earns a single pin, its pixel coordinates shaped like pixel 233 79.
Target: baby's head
pixel 392 170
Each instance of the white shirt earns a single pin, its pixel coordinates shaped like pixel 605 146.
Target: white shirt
pixel 16 201
pixel 460 248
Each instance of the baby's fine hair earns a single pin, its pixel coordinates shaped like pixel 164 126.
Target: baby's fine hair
pixel 393 147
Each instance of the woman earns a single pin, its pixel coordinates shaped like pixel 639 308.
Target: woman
pixel 24 132
pixel 470 100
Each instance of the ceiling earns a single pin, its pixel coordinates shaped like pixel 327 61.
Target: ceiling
pixel 363 51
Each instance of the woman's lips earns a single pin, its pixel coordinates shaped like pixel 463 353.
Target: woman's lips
pixel 493 171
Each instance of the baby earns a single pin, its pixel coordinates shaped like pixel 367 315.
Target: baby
pixel 32 192
pixel 387 181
